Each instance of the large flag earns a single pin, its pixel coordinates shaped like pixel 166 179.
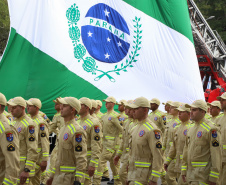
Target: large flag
pixel 100 48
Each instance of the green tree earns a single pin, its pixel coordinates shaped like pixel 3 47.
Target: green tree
pixel 215 8
pixel 4 24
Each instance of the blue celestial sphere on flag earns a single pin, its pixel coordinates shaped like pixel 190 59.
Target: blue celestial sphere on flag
pixel 105 34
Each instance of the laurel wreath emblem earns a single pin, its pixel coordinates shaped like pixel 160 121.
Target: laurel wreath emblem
pixel 89 64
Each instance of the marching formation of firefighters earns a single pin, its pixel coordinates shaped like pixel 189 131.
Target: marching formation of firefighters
pixel 185 145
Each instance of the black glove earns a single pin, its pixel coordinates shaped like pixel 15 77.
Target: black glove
pixel 77 183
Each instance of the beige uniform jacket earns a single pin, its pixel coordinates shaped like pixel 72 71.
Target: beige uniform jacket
pixel 93 131
pixel 99 115
pixel 145 155
pixel 72 150
pixel 158 117
pixel 8 115
pixel 28 136
pixel 57 123
pixel 221 122
pixel 202 154
pixel 169 134
pixel 124 146
pixel 44 117
pixel 43 138
pixel 9 152
pixel 111 131
pixel 176 150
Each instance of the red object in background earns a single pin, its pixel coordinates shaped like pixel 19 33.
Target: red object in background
pixel 207 68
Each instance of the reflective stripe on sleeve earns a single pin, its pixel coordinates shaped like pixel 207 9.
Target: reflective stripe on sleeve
pixel 142 164
pixel 67 169
pixel 199 164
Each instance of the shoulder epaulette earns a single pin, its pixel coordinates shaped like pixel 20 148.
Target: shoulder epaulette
pixel 205 126
pixel 113 114
pixel 158 114
pixel 2 128
pixel 89 122
pixel 177 120
pixel 177 126
pixel 148 126
pixel 72 128
pixel 220 115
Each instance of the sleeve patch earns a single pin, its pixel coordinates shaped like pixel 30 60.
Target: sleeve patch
pixel 97 129
pixel 214 133
pixel 43 134
pixel 215 143
pixel 164 118
pixel 11 147
pixel 97 138
pixel 31 138
pixel 158 144
pixel 157 135
pixel 78 148
pixel 31 129
pixel 78 138
pixel 42 127
pixel 9 137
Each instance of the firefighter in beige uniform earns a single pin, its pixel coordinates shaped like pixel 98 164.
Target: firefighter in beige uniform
pixel 111 130
pixel 215 110
pixel 92 128
pixel 28 136
pixel 145 143
pixel 9 148
pixel 168 141
pixel 72 148
pixel 123 151
pixel 157 116
pixel 202 155
pixel 56 124
pixel 99 114
pixel 221 123
pixel 176 150
pixel 93 109
pixel 167 109
pixel 159 119
pixel 33 107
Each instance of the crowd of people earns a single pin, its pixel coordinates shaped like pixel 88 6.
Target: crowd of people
pixel 184 145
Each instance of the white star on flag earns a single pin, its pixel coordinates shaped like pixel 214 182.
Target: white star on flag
pixel 107 56
pixel 119 44
pixel 90 34
pixel 108 39
pixel 106 12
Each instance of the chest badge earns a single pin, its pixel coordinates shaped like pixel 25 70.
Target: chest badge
pixel 185 132
pixel 66 135
pixel 19 129
pixel 174 125
pixel 141 133
pixel 42 127
pixel 155 118
pixel 32 130
pixel 97 129
pixel 157 135
pixel 164 118
pixel 214 133
pixel 84 127
pixel 199 134
pixel 9 137
pixel 109 118
pixel 78 138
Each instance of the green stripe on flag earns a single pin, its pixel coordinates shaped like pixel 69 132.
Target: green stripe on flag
pixel 28 72
pixel 173 13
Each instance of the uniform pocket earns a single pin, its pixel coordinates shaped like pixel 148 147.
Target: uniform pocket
pixel 142 173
